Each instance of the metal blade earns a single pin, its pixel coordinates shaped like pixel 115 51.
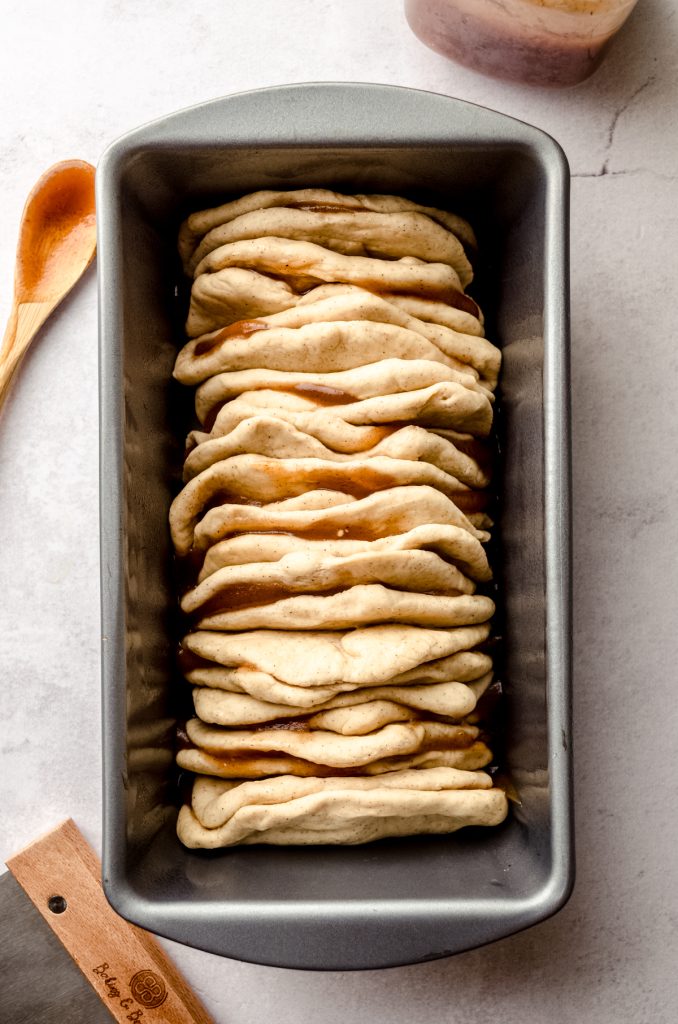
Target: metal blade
pixel 39 983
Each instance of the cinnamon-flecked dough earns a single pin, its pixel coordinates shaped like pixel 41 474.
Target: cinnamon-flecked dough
pixel 332 522
pixel 276 438
pixel 323 747
pixel 349 232
pixel 329 425
pixel 256 277
pixel 235 586
pixel 447 404
pixel 356 657
pixel 388 377
pixel 344 329
pixel 199 224
pixel 315 513
pixel 359 605
pixel 290 747
pixel 264 481
pixel 365 710
pixel 470 667
pixel 451 543
pixel 338 810
pixel 261 765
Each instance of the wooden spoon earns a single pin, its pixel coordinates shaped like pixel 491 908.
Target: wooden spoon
pixel 57 242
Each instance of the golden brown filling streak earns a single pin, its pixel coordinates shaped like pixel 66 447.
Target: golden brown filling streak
pixel 240 329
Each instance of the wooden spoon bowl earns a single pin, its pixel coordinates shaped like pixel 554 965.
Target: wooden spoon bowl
pixel 57 242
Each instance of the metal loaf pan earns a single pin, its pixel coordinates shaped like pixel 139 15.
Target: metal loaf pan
pixel 392 902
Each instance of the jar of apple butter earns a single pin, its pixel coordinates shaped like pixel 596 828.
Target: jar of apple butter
pixel 542 42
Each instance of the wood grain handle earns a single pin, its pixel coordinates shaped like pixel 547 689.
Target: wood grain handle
pixel 126 967
pixel 25 320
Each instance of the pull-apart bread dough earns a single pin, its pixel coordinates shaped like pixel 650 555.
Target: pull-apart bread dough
pixel 241 280
pixel 348 328
pixel 195 227
pixel 328 515
pixel 266 434
pixel 288 809
pixel 332 522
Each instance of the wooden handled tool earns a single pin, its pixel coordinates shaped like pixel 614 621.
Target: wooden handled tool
pixel 127 968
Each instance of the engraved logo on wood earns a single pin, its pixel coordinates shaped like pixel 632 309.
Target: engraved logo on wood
pixel 148 989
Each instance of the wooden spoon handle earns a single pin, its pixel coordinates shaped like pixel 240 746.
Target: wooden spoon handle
pixel 25 320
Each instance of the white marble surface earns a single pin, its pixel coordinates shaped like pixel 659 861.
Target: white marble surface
pixel 73 76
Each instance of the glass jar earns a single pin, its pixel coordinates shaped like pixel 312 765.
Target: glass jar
pixel 543 42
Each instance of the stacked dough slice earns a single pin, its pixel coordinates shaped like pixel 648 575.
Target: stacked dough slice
pixel 332 522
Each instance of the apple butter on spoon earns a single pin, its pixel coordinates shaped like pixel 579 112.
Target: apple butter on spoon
pixel 57 242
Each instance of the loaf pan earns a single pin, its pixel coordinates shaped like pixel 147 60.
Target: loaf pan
pixel 392 902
